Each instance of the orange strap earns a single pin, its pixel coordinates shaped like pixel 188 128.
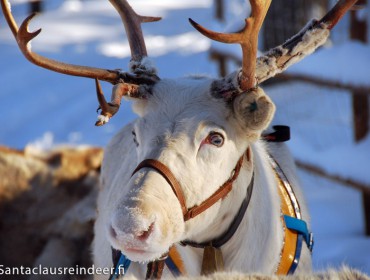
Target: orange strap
pixel 177 260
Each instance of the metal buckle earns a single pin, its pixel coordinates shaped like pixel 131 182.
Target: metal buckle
pixel 163 257
pixel 311 242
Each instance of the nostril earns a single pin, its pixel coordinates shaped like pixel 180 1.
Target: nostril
pixel 143 235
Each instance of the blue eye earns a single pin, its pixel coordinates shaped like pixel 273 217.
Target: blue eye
pixel 215 139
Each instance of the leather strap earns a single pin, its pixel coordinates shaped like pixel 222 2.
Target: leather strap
pixel 176 186
pixel 155 270
pixel 168 175
pixel 224 238
pixel 120 264
pixel 219 194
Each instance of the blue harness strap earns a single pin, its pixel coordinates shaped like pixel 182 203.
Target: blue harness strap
pixel 121 267
pixel 172 267
pixel 300 227
pixel 297 255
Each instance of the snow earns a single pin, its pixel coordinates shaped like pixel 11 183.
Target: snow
pixel 337 218
pixel 321 124
pixel 41 108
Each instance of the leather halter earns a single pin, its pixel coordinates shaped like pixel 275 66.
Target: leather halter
pixel 290 213
pixel 155 268
pixel 176 186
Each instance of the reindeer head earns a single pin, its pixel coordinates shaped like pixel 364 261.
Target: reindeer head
pixel 192 135
pixel 188 145
pixel 190 139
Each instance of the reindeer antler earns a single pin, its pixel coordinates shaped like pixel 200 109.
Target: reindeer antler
pixel 276 60
pixel 132 23
pixel 132 82
pixel 247 38
pixel 338 11
pixel 144 76
pixel 23 38
pixel 313 35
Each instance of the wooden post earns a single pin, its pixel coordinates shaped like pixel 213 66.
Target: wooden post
pixel 366 202
pixel 36 6
pixel 221 60
pixel 360 102
pixel 219 10
pixel 360 107
pixel 287 17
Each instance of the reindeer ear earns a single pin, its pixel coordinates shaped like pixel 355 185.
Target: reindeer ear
pixel 254 110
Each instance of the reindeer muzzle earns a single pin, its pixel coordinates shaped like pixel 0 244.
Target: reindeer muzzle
pixel 194 211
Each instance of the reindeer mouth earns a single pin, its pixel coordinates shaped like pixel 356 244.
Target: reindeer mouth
pixel 139 247
pixel 139 254
pixel 135 250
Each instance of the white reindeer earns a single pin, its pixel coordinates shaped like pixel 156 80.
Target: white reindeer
pixel 191 172
pixel 200 138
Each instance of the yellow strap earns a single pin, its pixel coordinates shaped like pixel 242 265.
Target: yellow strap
pixel 290 237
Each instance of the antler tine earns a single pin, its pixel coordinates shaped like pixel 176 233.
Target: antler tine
pixel 132 22
pixel 337 12
pixel 281 57
pixel 109 109
pixel 5 6
pixel 23 37
pixel 247 38
pixel 135 85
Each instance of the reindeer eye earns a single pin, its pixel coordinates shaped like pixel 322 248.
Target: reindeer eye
pixel 215 139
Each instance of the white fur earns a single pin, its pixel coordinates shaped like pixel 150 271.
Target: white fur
pixel 145 64
pixel 103 119
pixel 172 125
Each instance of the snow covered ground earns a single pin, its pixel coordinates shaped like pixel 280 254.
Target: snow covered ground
pixel 43 108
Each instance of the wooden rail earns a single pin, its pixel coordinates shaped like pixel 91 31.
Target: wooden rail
pixel 365 189
pixel 363 89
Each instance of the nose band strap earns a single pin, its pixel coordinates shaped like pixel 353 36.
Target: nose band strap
pixel 176 186
pixel 170 178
